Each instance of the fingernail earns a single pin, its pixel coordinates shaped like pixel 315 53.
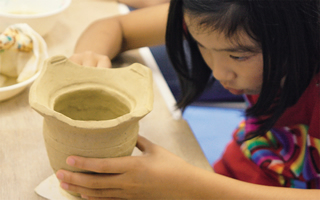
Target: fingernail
pixel 64 186
pixel 71 161
pixel 60 175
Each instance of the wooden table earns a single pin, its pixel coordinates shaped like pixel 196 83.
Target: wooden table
pixel 23 159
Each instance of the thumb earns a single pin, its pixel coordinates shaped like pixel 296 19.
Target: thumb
pixel 144 145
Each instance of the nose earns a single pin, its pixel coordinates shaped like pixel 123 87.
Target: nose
pixel 223 74
pixel 222 71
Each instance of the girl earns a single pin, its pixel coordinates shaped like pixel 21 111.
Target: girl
pixel 268 51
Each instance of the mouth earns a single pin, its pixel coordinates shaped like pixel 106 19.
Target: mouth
pixel 232 90
pixel 235 91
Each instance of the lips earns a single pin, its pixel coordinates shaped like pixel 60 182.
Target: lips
pixel 234 91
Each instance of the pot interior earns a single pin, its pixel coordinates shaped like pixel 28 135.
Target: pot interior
pixel 91 105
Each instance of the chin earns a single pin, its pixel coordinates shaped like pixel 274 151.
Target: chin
pixel 252 92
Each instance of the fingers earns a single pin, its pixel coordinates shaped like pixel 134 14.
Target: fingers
pixel 93 185
pixel 110 174
pixel 111 165
pixel 144 145
pixel 90 181
pixel 91 59
pixel 92 192
pixel 107 165
pixel 104 63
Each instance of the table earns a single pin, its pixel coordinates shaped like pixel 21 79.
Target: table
pixel 23 159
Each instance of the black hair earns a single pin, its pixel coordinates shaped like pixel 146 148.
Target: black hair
pixel 287 31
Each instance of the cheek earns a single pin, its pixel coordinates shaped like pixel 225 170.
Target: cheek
pixel 257 77
pixel 206 56
pixel 256 70
pixel 251 73
pixel 259 64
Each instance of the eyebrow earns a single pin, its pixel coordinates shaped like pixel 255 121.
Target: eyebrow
pixel 238 49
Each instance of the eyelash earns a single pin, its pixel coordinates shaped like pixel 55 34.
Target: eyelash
pixel 239 58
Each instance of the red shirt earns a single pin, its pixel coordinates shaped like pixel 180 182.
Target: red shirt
pixel 286 156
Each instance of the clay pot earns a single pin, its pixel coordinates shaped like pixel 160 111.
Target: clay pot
pixel 90 112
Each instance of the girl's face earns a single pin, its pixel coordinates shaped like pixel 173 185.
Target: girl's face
pixel 238 67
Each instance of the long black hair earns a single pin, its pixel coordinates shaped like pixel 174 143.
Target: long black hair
pixel 288 32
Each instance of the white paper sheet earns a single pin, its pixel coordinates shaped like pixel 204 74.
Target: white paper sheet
pixel 50 189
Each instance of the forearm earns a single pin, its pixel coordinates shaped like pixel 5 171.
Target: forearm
pixel 159 174
pixel 103 37
pixel 144 27
pixel 215 186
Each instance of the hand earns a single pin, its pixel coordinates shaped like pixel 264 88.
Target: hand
pixel 91 59
pixel 157 174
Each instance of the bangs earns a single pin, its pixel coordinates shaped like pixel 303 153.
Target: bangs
pixel 230 19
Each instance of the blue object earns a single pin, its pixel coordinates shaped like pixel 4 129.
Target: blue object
pixel 213 127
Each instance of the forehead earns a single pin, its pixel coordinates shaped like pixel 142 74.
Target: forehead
pixel 205 32
pixel 195 23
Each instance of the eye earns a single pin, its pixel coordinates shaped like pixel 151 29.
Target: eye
pixel 200 46
pixel 239 58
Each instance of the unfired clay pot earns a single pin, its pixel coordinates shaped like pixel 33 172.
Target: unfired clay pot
pixel 90 112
